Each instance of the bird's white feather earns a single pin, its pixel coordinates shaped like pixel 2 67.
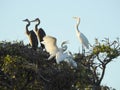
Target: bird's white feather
pixel 58 53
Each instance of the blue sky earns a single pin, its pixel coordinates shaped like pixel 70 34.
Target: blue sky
pixel 99 19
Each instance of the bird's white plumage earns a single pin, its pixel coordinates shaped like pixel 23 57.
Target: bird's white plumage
pixel 60 57
pixel 69 60
pixel 59 53
pixel 50 44
pixel 82 38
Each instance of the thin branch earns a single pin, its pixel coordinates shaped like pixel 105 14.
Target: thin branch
pixel 99 59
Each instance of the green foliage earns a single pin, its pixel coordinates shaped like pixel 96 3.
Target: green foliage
pixel 22 68
pixel 111 52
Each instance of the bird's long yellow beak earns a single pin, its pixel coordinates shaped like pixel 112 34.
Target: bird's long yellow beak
pixel 75 17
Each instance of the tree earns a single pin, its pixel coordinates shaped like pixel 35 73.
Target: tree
pixel 22 68
pixel 101 54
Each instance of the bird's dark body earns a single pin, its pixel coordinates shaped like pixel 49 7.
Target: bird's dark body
pixel 41 34
pixel 33 39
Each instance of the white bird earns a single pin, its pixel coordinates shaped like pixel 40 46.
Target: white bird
pixel 59 53
pixel 82 38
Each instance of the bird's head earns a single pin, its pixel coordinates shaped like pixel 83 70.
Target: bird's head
pixel 78 21
pixel 65 42
pixel 76 18
pixel 36 20
pixel 26 20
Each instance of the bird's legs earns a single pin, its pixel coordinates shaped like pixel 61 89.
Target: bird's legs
pixel 83 50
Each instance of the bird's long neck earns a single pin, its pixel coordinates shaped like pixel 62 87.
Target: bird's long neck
pixel 64 47
pixel 27 30
pixel 36 26
pixel 77 25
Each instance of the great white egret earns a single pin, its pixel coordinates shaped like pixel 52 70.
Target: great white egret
pixel 39 32
pixel 82 38
pixel 59 53
pixel 31 36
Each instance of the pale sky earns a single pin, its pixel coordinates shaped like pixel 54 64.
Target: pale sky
pixel 99 19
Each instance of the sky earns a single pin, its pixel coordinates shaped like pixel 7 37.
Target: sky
pixel 99 19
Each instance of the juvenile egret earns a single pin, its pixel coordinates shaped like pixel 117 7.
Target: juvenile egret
pixel 39 32
pixel 82 38
pixel 31 36
pixel 59 53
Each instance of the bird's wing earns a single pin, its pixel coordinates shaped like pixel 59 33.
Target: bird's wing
pixel 33 39
pixel 85 41
pixel 42 31
pixel 70 61
pixel 60 56
pixel 41 34
pixel 73 63
pixel 50 44
pixel 50 40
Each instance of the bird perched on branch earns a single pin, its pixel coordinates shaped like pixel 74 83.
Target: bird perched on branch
pixel 82 38
pixel 59 53
pixel 39 32
pixel 31 35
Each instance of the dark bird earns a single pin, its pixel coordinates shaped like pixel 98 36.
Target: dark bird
pixel 31 36
pixel 39 32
